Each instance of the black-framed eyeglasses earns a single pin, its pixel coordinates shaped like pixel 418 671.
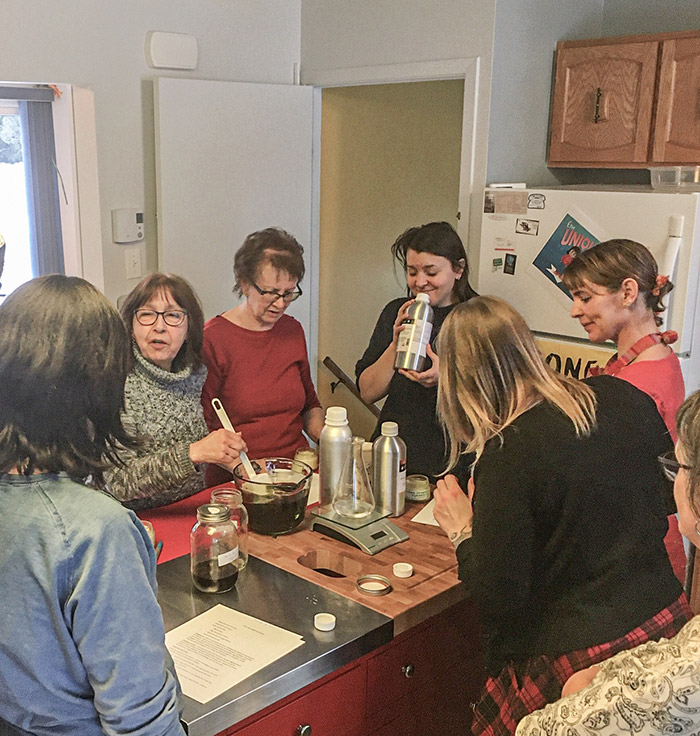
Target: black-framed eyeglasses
pixel 171 317
pixel 670 465
pixel 272 295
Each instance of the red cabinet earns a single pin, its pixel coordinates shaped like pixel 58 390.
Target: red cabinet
pixel 423 682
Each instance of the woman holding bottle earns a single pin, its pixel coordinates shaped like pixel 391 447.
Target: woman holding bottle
pixel 435 263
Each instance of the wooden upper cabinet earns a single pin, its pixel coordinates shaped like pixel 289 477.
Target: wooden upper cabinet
pixel 677 129
pixel 603 102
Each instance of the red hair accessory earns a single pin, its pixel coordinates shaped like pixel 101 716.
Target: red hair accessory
pixel 661 281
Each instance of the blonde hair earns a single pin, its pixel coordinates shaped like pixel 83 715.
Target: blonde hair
pixel 491 371
pixel 688 425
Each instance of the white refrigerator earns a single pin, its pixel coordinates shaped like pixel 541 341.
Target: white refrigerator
pixel 529 235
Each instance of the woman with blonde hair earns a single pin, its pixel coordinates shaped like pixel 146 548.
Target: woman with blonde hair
pixel 560 538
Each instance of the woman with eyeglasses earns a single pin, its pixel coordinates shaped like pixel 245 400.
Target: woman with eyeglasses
pixel 653 688
pixel 163 399
pixel 560 536
pixel 434 262
pixel 256 354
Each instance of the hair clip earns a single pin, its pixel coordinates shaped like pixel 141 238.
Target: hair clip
pixel 661 281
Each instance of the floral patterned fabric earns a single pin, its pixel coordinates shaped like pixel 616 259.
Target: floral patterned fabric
pixel 652 689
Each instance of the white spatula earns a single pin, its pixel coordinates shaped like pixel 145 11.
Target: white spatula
pixel 226 424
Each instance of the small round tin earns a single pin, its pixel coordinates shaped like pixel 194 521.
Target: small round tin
pixel 373 584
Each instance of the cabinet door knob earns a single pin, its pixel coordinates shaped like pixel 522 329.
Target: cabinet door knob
pixel 304 730
pixel 407 669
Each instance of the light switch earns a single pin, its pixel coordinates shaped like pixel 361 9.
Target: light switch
pixel 133 262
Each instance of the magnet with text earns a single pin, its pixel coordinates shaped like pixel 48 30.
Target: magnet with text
pixel 509 266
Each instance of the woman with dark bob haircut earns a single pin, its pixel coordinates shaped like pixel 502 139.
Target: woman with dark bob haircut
pixel 76 568
pixel 256 354
pixel 163 392
pixel 434 262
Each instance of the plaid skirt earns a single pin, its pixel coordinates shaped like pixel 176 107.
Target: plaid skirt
pixel 522 688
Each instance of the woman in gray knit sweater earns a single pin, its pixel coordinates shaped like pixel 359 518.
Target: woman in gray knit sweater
pixel 162 399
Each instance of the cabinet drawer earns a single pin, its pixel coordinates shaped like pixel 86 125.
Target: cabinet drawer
pixel 336 708
pixel 402 669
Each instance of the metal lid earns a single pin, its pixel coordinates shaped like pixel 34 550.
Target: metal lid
pixel 373 584
pixel 211 512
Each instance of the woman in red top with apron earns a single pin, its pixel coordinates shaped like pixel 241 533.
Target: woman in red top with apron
pixel 617 295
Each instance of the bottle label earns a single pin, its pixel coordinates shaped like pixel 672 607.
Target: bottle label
pixel 226 558
pixel 414 337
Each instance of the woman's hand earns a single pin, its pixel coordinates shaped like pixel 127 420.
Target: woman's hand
pixel 429 377
pixel 453 508
pixel 221 447
pixel 399 321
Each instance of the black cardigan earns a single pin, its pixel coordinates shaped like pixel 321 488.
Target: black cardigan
pixel 568 543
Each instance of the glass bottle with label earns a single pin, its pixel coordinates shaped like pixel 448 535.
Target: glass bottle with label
pixel 214 549
pixel 230 496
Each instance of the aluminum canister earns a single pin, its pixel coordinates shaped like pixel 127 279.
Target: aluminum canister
pixel 389 470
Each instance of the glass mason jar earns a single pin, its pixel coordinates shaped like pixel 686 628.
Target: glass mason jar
pixel 214 549
pixel 230 496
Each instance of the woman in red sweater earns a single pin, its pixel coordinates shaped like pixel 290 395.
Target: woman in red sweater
pixel 256 354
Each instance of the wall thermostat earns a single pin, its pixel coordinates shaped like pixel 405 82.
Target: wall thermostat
pixel 127 225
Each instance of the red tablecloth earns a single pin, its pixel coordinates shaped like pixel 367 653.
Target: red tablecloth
pixel 172 524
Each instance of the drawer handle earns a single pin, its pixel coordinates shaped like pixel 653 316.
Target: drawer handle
pixel 408 670
pixel 600 114
pixel 304 730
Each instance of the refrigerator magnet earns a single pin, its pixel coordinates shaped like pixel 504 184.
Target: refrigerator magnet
pixel 496 264
pixel 527 227
pixel 536 201
pixel 509 266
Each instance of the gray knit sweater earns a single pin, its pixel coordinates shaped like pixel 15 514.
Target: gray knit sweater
pixel 164 409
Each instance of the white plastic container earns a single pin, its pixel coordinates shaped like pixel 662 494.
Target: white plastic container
pixel 683 178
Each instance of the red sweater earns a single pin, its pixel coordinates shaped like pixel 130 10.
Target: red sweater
pixel 663 381
pixel 264 382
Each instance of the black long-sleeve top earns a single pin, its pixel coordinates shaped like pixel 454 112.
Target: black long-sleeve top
pixel 568 540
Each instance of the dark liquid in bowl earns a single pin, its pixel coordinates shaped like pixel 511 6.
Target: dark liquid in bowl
pixel 210 578
pixel 278 516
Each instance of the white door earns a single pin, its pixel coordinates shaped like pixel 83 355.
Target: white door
pixel 232 158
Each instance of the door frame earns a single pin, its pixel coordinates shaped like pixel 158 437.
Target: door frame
pixel 467 68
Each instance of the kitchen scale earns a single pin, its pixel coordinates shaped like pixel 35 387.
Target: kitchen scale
pixel 371 534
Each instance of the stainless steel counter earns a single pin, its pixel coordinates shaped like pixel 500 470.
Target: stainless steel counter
pixel 280 598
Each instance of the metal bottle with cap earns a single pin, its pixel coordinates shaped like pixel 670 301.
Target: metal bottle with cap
pixel 389 470
pixel 415 336
pixel 334 447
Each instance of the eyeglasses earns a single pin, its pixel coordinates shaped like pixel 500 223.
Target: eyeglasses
pixel 272 295
pixel 172 317
pixel 670 465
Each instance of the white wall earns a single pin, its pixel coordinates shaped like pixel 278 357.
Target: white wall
pixel 100 45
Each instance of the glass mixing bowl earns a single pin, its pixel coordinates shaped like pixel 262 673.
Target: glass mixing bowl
pixel 276 504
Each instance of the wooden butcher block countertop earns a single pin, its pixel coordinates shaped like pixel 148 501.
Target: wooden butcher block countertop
pixel 432 588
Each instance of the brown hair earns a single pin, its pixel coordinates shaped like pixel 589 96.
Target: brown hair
pixel 688 424
pixel 184 295
pixel 609 263
pixel 491 371
pixel 439 239
pixel 271 245
pixel 64 356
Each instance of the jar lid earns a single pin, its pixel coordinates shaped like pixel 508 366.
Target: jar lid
pixel 211 512
pixel 373 584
